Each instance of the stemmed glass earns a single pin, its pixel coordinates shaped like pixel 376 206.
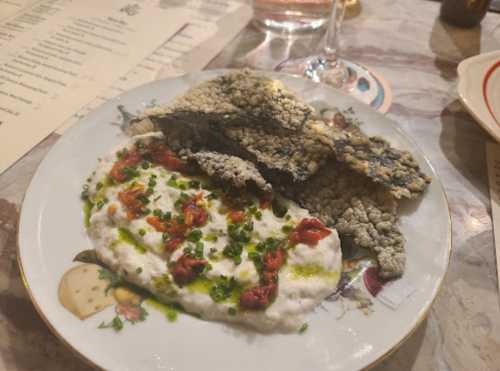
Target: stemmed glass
pixel 325 67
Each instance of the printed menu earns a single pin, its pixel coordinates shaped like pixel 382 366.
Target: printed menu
pixel 58 55
pixel 63 58
pixel 212 24
pixel 9 8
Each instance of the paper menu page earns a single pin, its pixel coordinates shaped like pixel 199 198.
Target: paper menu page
pixel 9 8
pixel 20 16
pixel 56 67
pixel 212 24
pixel 493 161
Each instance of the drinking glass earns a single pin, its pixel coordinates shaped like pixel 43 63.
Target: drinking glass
pixel 291 15
pixel 325 67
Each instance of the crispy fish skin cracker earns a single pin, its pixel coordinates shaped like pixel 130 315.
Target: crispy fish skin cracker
pixel 266 99
pixel 258 119
pixel 237 98
pixel 82 292
pixel 299 154
pixel 375 158
pixel 231 169
pixel 241 114
pixel 361 211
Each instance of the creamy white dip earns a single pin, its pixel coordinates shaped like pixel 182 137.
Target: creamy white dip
pixel 135 249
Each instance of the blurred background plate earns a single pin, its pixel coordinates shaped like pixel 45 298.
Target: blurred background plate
pixel 479 90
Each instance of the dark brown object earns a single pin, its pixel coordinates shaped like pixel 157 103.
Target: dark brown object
pixel 464 13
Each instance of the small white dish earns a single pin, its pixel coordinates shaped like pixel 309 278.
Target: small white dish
pixel 479 90
pixel 51 233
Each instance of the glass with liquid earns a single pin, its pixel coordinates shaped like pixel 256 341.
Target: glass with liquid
pixel 292 15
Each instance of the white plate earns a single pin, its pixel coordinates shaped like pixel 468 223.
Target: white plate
pixel 51 232
pixel 479 90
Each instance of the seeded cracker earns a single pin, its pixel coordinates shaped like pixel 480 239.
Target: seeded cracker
pixel 361 211
pixel 298 153
pixel 232 169
pixel 237 98
pixel 375 158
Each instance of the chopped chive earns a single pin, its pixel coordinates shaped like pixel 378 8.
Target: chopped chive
pixel 195 235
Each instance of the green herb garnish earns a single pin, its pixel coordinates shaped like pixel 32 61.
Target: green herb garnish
pixel 129 172
pixel 194 236
pixel 233 251
pixel 116 324
pixel 222 289
pixel 113 278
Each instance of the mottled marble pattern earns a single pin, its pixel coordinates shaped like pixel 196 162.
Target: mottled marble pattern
pixel 417 54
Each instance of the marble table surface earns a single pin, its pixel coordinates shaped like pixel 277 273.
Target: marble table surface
pixel 406 43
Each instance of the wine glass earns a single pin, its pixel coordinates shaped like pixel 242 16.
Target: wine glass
pixel 326 67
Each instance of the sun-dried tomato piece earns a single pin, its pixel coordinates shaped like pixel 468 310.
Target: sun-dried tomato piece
pixel 194 215
pixel 156 223
pixel 132 202
pixel 273 260
pixel 161 155
pixel 236 216
pixel 309 232
pixel 173 243
pixel 258 297
pixel 269 277
pixel 129 159
pixel 187 268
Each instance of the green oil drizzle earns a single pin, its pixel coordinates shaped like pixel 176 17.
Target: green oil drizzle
pixel 167 309
pixel 250 247
pixel 87 209
pixel 201 285
pixel 126 236
pixel 310 271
